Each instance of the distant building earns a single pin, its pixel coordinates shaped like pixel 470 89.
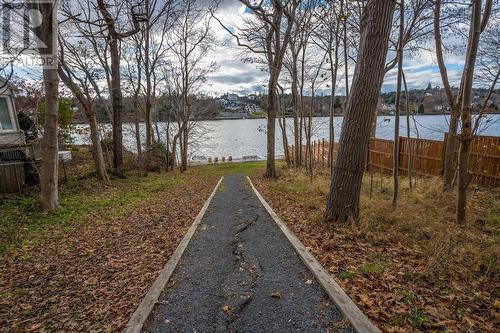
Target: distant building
pixel 232 97
pixel 252 97
pixel 434 102
pixel 252 108
pixel 386 108
pixel 221 102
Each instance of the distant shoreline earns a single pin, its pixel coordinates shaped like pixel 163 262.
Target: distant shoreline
pixel 291 117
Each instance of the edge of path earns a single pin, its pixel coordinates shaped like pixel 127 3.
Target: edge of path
pixel 142 312
pixel 359 321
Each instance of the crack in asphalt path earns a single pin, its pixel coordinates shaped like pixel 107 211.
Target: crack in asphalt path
pixel 240 274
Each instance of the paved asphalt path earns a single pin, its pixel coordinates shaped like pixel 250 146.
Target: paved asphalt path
pixel 240 274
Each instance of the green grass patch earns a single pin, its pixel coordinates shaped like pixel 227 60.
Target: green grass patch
pixel 398 321
pixel 408 296
pixel 82 199
pixel 346 275
pixel 418 318
pixel 376 256
pixel 22 220
pixel 221 169
pixel 259 114
pixel 372 269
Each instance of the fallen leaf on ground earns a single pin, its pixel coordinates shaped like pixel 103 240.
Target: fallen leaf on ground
pixel 276 295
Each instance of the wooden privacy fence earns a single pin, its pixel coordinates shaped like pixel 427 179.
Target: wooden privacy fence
pixel 426 155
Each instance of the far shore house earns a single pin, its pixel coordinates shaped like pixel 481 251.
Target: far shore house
pixel 252 108
pixel 252 97
pixel 232 97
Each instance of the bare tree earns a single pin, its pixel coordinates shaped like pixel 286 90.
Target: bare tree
pixel 154 47
pixel 488 73
pixel 113 39
pixel 454 105
pixel 78 74
pixel 343 198
pixel 398 103
pixel 412 28
pixel 276 19
pixel 408 133
pixel 327 37
pixel 345 43
pixel 133 78
pixel 293 62
pixel 192 40
pixel 314 70
pixel 282 123
pixel 478 24
pixel 454 102
pixel 99 20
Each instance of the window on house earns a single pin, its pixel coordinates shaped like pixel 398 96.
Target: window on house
pixel 5 119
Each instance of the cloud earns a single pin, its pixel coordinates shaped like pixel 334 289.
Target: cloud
pixel 236 76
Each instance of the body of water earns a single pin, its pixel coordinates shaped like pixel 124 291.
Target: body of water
pixel 247 137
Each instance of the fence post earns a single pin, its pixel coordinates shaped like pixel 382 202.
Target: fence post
pixel 313 151
pixel 443 154
pixel 317 150
pixel 400 156
pixel 323 152
pixel 367 166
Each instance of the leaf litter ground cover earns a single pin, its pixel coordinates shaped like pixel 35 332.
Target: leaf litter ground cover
pixel 87 266
pixel 411 269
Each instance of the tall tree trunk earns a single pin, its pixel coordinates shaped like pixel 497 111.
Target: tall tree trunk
pixel 271 125
pixel 50 162
pixel 174 151
pixel 303 124
pixel 310 155
pixel 185 141
pixel 449 157
pixel 296 113
pixel 408 134
pixel 451 143
pixel 343 198
pixel 137 128
pixel 97 152
pixel 282 123
pixel 113 40
pixel 168 138
pixel 140 157
pixel 395 166
pixel 157 128
pixel 466 113
pixel 147 70
pixel 301 137
pixel 346 53
pixel 334 62
pixel 116 101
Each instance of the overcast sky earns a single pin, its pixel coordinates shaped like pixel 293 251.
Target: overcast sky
pixel 235 76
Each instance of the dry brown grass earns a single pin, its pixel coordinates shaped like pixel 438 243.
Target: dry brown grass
pixel 411 268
